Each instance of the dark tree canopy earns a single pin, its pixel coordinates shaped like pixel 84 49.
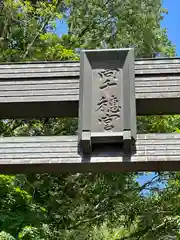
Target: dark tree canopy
pixel 84 206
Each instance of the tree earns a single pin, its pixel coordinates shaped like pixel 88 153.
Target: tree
pixel 130 23
pixel 23 31
pixel 70 206
pixel 17 208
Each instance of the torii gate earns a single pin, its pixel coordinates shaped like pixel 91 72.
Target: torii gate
pixel 113 90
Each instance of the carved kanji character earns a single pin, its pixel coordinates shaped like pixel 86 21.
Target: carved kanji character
pixel 114 108
pixel 107 122
pixel 108 77
pixel 102 104
pixel 111 110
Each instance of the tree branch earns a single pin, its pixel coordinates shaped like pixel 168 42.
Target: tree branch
pixel 34 39
pixel 86 220
pixel 37 34
pixel 92 25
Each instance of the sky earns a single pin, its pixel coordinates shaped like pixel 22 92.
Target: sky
pixel 61 27
pixel 171 22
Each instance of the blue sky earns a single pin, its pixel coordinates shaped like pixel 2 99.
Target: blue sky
pixel 61 27
pixel 171 22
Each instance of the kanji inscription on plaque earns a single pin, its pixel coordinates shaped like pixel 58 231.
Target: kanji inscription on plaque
pixel 110 110
pixel 108 105
pixel 107 112
pixel 108 78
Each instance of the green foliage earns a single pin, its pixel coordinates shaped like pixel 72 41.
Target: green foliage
pixel 96 233
pixel 159 124
pixel 119 23
pixel 84 206
pixel 6 236
pixel 17 206
pixel 29 233
pixel 23 31
pixel 51 48
pixel 38 127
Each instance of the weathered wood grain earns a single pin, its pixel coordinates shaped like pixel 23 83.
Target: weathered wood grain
pixel 153 152
pixel 41 89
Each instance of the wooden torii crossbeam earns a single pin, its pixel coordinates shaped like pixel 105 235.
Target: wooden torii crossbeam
pixel 51 89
